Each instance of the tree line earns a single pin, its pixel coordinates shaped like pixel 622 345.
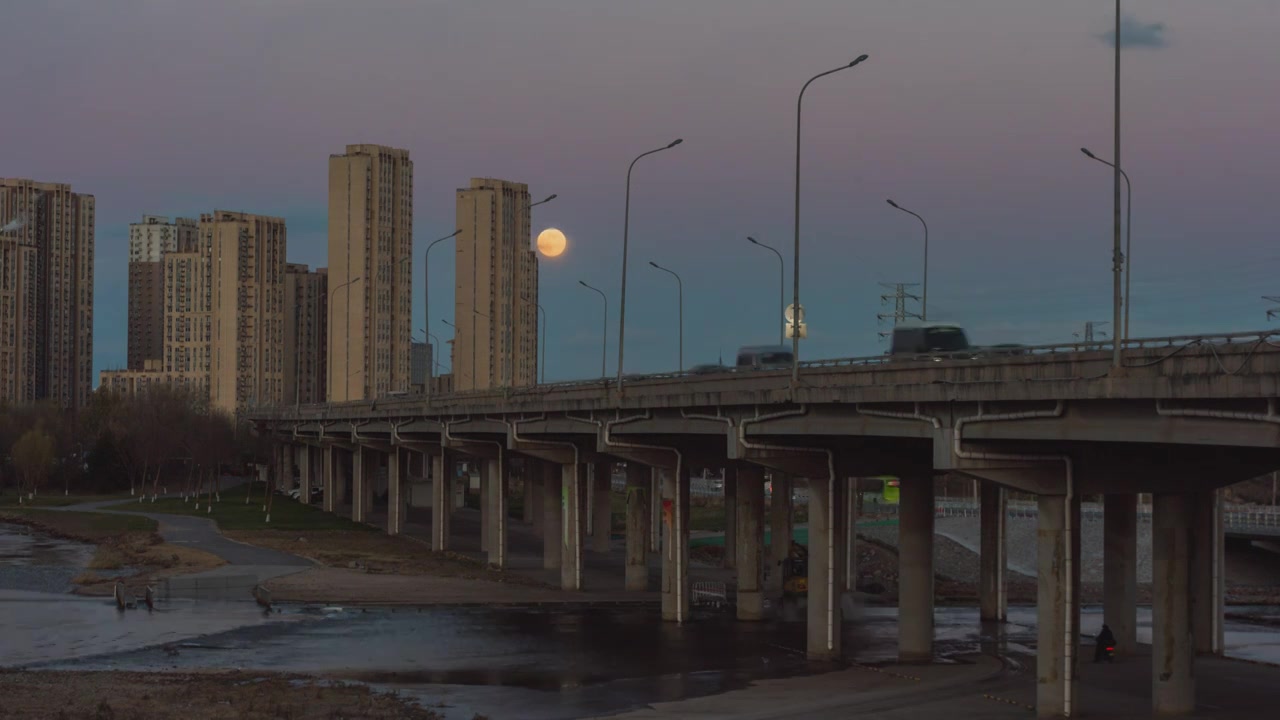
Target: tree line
pixel 162 438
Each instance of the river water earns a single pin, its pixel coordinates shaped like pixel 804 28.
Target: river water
pixel 536 662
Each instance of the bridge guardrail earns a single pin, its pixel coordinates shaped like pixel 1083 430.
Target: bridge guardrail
pixel 1174 343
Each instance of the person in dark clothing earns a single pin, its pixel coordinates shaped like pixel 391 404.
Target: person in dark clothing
pixel 1104 640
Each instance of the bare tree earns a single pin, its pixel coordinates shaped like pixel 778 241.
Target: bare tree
pixel 33 456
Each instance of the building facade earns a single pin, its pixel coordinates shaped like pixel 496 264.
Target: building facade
pixel 247 301
pixel 149 242
pixel 187 313
pixel 305 333
pixel 496 288
pixel 370 272
pixel 46 293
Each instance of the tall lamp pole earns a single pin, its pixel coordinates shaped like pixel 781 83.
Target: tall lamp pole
pixel 542 342
pixel 604 341
pixel 782 282
pixel 626 226
pixel 1117 260
pixel 680 303
pixel 1128 239
pixel 346 365
pixel 924 301
pixel 426 296
pixel 795 262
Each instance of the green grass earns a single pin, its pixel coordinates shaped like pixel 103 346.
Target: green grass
pixel 90 526
pixel 56 499
pixel 232 513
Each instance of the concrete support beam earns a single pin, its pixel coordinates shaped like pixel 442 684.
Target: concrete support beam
pixel 826 567
pixel 675 545
pixel 601 510
pixel 552 516
pixel 993 600
pixel 342 460
pixel 533 495
pixel 638 501
pixel 329 463
pixel 397 473
pixel 1173 690
pixel 729 560
pixel 441 500
pixel 360 463
pixel 780 528
pixel 285 481
pixel 304 475
pixel 1055 672
pixel 915 570
pixel 655 510
pixel 483 471
pixel 852 503
pixel 749 540
pixel 1120 570
pixel 495 477
pixel 1208 576
pixel 573 479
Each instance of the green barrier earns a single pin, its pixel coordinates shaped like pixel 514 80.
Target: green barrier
pixel 800 535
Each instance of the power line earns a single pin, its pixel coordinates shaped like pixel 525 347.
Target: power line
pixel 899 296
pixel 1274 312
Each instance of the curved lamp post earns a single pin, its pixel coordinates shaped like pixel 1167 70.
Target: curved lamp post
pixel 626 226
pixel 680 304
pixel 426 293
pixel 782 282
pixel 332 293
pixel 1128 242
pixel 795 262
pixel 604 340
pixel 924 302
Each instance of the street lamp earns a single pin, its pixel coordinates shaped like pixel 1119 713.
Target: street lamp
pixel 795 262
pixel 1128 242
pixel 626 226
pixel 1117 260
pixel 924 302
pixel 782 282
pixel 426 292
pixel 510 343
pixel 347 362
pixel 604 340
pixel 680 303
pixel 542 341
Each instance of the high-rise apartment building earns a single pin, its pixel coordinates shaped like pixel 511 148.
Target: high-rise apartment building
pixel 370 271
pixel 305 332
pixel 496 288
pixel 247 350
pixel 149 242
pixel 187 312
pixel 46 293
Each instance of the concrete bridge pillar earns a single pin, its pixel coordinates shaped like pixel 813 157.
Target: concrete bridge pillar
pixel 304 475
pixel 601 510
pixel 675 545
pixel 1055 696
pixel 993 600
pixel 915 570
pixel 532 498
pixel 852 503
pixel 655 510
pixel 638 501
pixel 1173 689
pixel 553 527
pixel 397 475
pixel 360 466
pixel 780 529
pixel 749 540
pixel 344 463
pixel 1120 570
pixel 496 480
pixel 483 471
pixel 328 462
pixel 729 559
pixel 574 513
pixel 826 567
pixel 441 500
pixel 284 481
pixel 1208 579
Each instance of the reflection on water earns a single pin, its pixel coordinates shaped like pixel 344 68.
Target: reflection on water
pixel 31 560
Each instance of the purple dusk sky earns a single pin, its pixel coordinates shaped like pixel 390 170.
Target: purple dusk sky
pixel 971 113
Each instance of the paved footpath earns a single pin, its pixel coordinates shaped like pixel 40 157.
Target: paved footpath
pixel 203 534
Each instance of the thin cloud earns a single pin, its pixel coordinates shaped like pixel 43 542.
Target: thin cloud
pixel 1136 34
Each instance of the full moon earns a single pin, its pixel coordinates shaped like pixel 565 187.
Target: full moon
pixel 551 242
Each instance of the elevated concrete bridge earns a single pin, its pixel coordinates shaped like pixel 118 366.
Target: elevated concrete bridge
pixel 1181 418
